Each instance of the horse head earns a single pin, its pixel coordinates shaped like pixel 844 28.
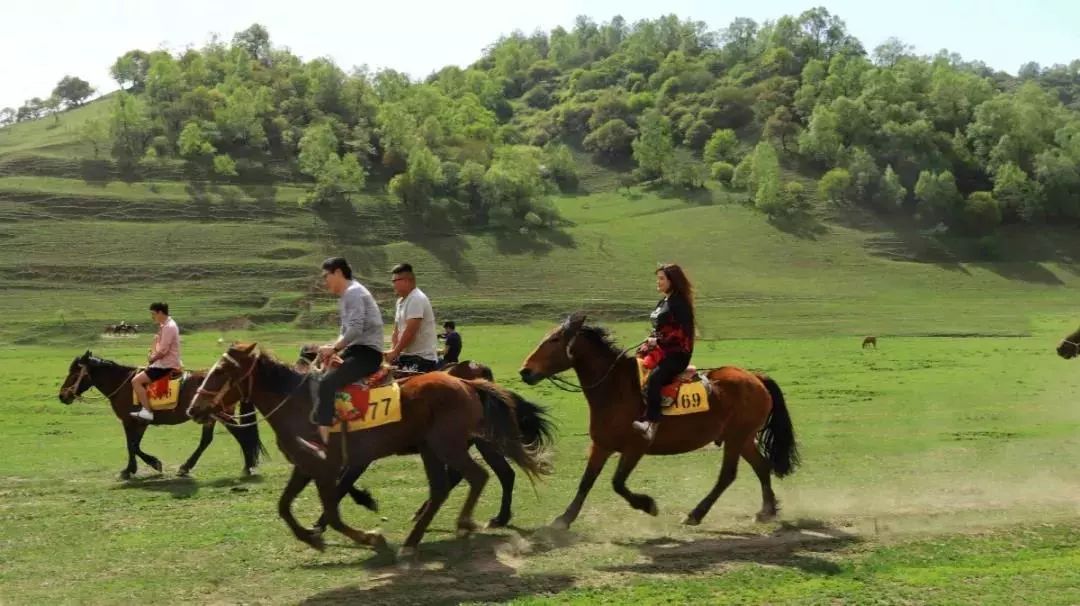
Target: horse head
pixel 231 369
pixel 552 355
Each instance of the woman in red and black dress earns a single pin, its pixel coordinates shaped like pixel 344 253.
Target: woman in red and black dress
pixel 668 349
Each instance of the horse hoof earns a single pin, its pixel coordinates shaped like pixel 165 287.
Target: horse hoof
pixel 691 520
pixel 157 466
pixel 407 554
pixel 652 509
pixel 250 471
pixel 378 542
pixel 465 528
pixel 560 523
pixel 315 540
pixel 498 523
pixel 765 516
pixel 126 475
pixel 182 472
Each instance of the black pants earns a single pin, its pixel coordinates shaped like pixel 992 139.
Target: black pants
pixel 417 364
pixel 358 361
pixel 664 373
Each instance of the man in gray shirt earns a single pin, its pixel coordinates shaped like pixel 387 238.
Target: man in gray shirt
pixel 359 344
pixel 414 341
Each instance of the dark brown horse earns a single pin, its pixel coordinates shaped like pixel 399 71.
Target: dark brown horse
pixel 742 406
pixel 114 380
pixel 536 428
pixel 1069 347
pixel 439 416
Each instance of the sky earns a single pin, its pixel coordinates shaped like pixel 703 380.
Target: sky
pixel 43 40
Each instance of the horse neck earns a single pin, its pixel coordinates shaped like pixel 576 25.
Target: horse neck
pixel 108 378
pixel 595 364
pixel 286 412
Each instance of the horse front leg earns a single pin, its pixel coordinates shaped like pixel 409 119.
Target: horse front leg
pixel 296 484
pixel 129 439
pixel 642 502
pixel 149 459
pixel 345 484
pixel 597 457
pixel 204 441
pixel 327 486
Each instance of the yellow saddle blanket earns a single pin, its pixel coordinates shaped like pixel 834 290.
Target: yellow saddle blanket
pixel 359 408
pixel 688 394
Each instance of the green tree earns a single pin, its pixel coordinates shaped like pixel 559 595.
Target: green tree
pixel 835 187
pixel 654 146
pixel 981 213
pixel 130 70
pixel 612 140
pixel 892 193
pixel 938 197
pixel 721 147
pixel 72 91
pixel 722 171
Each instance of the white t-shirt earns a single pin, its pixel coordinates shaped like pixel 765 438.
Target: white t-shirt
pixel 416 305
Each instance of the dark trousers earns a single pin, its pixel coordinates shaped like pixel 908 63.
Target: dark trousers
pixel 417 364
pixel 665 372
pixel 358 361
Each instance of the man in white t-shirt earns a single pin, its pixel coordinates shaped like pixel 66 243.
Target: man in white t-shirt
pixel 414 343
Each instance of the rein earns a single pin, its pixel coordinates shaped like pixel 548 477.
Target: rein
pixel 84 373
pixel 566 385
pixel 219 395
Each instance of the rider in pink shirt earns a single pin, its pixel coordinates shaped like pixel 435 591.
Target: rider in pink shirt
pixel 164 358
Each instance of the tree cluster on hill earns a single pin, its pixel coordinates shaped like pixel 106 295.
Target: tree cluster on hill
pixel 949 141
pixel 69 92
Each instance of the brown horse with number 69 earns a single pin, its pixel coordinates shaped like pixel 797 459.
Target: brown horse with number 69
pixel 743 412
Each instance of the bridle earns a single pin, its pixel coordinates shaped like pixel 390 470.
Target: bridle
pixel 84 373
pixel 569 386
pixel 219 395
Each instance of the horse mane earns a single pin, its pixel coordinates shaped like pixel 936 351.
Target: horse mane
pixel 275 375
pixel 103 363
pixel 602 337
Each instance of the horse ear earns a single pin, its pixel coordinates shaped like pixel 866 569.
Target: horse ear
pixel 575 321
pixel 86 356
pixel 250 348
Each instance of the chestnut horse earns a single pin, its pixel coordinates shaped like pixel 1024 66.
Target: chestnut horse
pixel 440 414
pixel 114 380
pixel 536 428
pixel 742 406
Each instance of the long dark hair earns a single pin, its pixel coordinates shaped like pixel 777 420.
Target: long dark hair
pixel 680 284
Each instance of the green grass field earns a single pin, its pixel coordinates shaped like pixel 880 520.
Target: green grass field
pixel 939 469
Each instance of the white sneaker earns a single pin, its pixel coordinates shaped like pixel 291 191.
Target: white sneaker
pixel 143 414
pixel 647 428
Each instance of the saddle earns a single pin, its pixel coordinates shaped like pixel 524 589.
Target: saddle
pixel 688 393
pixel 164 394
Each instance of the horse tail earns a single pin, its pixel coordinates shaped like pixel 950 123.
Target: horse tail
pixel 503 430
pixel 534 421
pixel 776 440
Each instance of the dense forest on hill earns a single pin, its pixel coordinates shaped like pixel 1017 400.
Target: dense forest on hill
pixel 757 108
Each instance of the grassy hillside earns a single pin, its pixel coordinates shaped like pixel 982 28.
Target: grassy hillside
pixel 76 253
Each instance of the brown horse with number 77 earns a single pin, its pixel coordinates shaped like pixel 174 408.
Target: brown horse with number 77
pixel 745 413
